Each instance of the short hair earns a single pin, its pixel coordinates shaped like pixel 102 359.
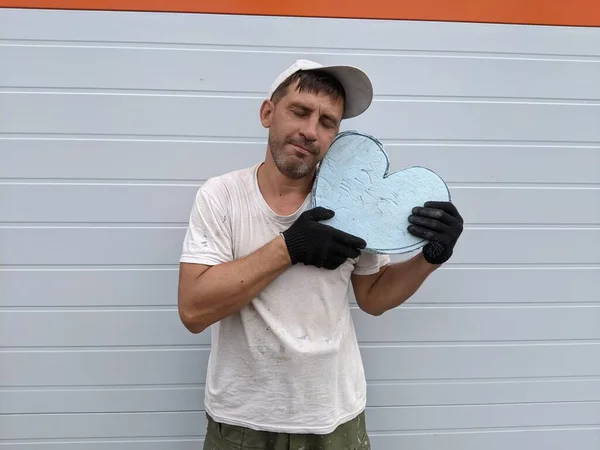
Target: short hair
pixel 314 81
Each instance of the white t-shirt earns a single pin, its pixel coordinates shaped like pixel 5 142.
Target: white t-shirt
pixel 289 361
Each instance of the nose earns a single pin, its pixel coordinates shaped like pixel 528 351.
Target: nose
pixel 309 128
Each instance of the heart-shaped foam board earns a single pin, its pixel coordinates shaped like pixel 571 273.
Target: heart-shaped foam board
pixel 354 182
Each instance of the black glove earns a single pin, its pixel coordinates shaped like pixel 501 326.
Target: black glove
pixel 320 245
pixel 439 223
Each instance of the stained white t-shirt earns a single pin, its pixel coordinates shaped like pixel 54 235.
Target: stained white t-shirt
pixel 289 361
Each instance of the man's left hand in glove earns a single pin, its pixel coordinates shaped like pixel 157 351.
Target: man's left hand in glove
pixel 441 224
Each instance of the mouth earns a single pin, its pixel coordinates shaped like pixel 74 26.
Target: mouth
pixel 302 150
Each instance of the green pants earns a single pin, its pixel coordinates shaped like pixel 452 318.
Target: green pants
pixel 351 435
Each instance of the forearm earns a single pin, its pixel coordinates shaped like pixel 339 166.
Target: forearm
pixel 398 283
pixel 226 288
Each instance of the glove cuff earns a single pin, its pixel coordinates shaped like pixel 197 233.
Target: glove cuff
pixel 436 253
pixel 295 243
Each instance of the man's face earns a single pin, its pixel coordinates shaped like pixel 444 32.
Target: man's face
pixel 301 128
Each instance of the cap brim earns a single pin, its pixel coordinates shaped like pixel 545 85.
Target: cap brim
pixel 358 87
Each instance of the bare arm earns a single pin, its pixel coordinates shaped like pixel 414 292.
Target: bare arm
pixel 392 285
pixel 208 294
pixel 438 222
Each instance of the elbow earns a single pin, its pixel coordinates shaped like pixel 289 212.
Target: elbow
pixel 378 308
pixel 371 308
pixel 373 311
pixel 193 325
pixel 191 320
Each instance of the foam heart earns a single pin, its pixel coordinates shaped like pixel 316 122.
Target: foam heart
pixel 353 181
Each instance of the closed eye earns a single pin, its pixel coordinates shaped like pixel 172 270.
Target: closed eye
pixel 328 123
pixel 300 112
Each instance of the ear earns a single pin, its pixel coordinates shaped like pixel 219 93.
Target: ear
pixel 266 113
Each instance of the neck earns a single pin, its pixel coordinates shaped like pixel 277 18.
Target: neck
pixel 283 195
pixel 273 183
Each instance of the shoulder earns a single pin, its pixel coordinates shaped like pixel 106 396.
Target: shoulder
pixel 223 188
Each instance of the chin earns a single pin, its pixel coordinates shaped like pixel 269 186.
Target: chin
pixel 296 171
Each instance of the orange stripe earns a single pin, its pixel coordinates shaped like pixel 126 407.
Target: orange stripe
pixel 538 12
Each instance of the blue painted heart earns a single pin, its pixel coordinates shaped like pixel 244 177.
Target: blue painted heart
pixel 354 182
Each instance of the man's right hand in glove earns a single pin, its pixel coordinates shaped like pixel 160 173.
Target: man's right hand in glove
pixel 310 242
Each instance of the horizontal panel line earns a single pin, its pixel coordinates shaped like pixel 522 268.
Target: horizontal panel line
pixel 87 267
pixel 479 405
pixel 363 345
pixel 259 95
pixel 195 182
pixel 494 305
pixel 212 93
pixel 448 266
pixel 96 224
pixel 532 226
pixel 502 305
pixel 124 138
pixel 485 100
pixel 100 182
pixel 183 225
pixel 97 440
pixel 369 407
pixel 247 48
pixel 112 137
pixel 134 137
pixel 480 430
pixel 523 185
pixel 500 266
pixel 399 381
pixel 103 387
pixel 479 343
pixel 200 389
pixel 487 380
pixel 406 432
pixel 102 413
pixel 104 348
pixel 89 308
pixel 140 93
pixel 89 90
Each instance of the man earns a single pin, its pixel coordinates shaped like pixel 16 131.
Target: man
pixel 271 280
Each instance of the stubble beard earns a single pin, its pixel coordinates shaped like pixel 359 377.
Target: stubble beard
pixel 290 166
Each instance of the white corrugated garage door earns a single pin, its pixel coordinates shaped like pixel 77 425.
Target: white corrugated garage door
pixel 109 122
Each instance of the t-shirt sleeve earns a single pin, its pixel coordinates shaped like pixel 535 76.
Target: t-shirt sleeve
pixel 208 236
pixel 370 263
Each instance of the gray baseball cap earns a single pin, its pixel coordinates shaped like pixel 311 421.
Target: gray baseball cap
pixel 358 86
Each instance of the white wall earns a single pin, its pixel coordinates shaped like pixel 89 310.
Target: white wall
pixel 109 122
